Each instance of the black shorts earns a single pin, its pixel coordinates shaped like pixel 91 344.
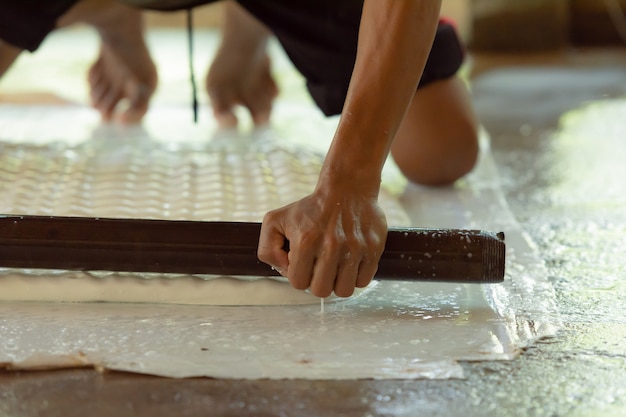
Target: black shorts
pixel 319 36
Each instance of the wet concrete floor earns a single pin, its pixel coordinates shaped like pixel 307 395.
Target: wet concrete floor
pixel 568 192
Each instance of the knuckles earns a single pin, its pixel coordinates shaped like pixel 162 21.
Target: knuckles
pixel 271 217
pixel 308 240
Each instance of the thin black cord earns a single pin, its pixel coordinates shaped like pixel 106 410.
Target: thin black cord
pixel 194 92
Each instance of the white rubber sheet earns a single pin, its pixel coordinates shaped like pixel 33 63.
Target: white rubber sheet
pixel 394 331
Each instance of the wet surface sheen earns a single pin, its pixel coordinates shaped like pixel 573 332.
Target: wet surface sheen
pixel 568 193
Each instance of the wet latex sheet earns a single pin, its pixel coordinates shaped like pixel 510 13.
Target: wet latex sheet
pixel 171 169
pixel 392 330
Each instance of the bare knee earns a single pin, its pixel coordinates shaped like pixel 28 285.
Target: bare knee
pixel 459 161
pixel 453 164
pixel 437 143
pixel 440 165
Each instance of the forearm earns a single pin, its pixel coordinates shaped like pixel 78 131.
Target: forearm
pixel 395 39
pixel 337 234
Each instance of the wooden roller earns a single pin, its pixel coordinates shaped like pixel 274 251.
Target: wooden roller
pixel 228 248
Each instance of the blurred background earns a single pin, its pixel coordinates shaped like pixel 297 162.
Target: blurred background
pixel 520 25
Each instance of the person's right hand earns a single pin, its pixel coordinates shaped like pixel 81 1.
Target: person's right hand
pixel 336 237
pixel 236 78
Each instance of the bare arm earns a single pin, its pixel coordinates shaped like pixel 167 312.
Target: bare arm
pixel 394 41
pixel 240 73
pixel 337 234
pixel 242 33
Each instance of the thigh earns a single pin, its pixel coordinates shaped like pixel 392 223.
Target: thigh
pixel 437 142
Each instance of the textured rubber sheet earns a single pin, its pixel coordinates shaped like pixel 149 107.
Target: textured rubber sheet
pixel 392 331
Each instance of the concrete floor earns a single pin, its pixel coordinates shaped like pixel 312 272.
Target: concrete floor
pixel 569 194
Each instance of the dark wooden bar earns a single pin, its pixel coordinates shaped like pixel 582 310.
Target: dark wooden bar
pixel 228 248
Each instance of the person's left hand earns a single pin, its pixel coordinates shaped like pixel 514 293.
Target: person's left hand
pixel 239 79
pixel 336 238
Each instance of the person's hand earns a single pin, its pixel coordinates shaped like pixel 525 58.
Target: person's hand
pixel 336 238
pixel 236 78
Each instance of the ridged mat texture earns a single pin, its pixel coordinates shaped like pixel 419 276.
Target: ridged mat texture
pixel 236 181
